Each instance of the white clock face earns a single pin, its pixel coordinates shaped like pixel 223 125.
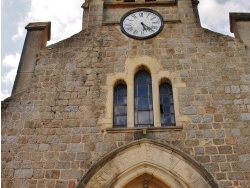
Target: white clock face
pixel 141 23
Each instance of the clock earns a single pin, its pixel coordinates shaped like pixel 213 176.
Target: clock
pixel 141 23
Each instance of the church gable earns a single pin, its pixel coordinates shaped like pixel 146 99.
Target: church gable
pixel 130 101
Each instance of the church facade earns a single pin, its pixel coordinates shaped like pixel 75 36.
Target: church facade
pixel 142 97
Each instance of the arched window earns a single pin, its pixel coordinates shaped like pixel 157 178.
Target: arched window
pixel 143 104
pixel 120 106
pixel 166 105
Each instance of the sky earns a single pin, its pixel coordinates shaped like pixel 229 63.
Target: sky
pixel 66 20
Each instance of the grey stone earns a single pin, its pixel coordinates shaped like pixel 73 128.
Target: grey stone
pixel 23 173
pixel 235 89
pixel 245 116
pixel 43 147
pixel 75 147
pixel 244 157
pixel 189 111
pixel 71 174
pixel 71 108
pixel 207 118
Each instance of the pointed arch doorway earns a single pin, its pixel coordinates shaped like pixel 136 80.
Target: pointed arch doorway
pixel 147 164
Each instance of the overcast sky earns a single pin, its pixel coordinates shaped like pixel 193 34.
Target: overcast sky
pixel 66 18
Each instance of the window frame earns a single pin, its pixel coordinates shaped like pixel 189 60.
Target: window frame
pixel 147 95
pixel 116 97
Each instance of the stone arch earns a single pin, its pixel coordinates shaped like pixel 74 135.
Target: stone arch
pixel 132 65
pixel 163 162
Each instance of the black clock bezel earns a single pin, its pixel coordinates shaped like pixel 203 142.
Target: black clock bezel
pixel 137 10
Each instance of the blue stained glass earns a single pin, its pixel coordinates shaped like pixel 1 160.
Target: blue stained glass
pixel 166 104
pixel 143 104
pixel 143 90
pixel 120 110
pixel 120 106
pixel 143 99
pixel 165 100
pixel 166 109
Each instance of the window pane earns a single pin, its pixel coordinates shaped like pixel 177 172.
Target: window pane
pixel 166 104
pixel 143 99
pixel 166 109
pixel 144 117
pixel 120 110
pixel 143 104
pixel 165 100
pixel 120 121
pixel 143 90
pixel 120 106
pixel 120 100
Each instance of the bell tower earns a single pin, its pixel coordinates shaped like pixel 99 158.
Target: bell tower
pixel 109 12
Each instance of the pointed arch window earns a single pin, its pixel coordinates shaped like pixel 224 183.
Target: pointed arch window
pixel 166 104
pixel 120 106
pixel 143 105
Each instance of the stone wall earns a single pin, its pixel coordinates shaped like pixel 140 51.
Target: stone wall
pixel 50 135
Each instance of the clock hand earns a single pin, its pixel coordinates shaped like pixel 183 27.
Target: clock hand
pixel 145 27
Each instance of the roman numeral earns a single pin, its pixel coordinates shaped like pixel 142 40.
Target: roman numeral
pixel 141 14
pixel 134 16
pixel 135 32
pixel 154 27
pixel 130 29
pixel 156 22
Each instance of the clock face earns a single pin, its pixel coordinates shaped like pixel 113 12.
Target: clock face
pixel 141 23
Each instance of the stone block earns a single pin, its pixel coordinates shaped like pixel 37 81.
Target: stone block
pixel 52 174
pixel 209 133
pixel 23 173
pixel 43 147
pixel 245 116
pixel 244 157
pixel 61 184
pixel 189 111
pixel 202 159
pixel 225 166
pixel 67 156
pixel 235 89
pixel 75 147
pixel 199 150
pixel 218 158
pixel 63 165
pixel 225 149
pixel 38 174
pixel 221 176
pixel 218 141
pixel 207 118
pixel 240 166
pixel 71 174
pixel 13 164
pixel 211 150
pixel 235 176
pixel 71 108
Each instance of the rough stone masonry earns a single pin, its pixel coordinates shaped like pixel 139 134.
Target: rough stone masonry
pixel 56 128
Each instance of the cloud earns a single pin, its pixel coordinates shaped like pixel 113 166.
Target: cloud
pixel 11 61
pixel 65 17
pixel 9 66
pixel 4 94
pixel 214 14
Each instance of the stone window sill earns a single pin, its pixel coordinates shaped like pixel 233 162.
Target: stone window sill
pixel 144 130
